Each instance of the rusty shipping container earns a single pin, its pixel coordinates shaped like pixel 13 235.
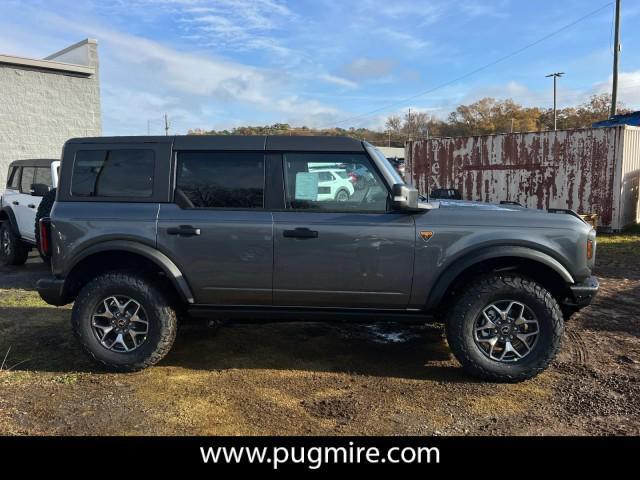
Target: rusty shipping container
pixel 589 170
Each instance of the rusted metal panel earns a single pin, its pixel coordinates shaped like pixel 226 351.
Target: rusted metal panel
pixel 576 169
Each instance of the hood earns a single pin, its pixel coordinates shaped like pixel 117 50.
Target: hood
pixel 468 206
pixel 507 207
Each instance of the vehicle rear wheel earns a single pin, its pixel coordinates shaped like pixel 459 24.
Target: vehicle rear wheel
pixel 44 210
pixel 124 322
pixel 505 328
pixel 12 250
pixel 342 196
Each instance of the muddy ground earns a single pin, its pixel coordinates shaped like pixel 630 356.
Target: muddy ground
pixel 314 378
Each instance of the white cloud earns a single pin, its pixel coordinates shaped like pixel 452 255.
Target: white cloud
pixel 343 82
pixel 235 25
pixel 367 68
pixel 142 79
pixel 628 88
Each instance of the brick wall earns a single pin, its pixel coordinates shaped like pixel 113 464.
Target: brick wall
pixel 40 109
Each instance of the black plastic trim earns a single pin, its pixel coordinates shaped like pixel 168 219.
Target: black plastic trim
pixel 288 314
pixel 51 290
pixel 487 253
pixel 585 291
pixel 12 221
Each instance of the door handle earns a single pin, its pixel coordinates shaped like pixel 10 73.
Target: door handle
pixel 31 205
pixel 300 233
pixel 15 202
pixel 183 231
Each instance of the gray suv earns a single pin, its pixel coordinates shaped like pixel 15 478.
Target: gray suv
pixel 149 230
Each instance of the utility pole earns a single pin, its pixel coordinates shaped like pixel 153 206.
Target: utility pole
pixel 616 61
pixel 409 126
pixel 555 116
pixel 166 124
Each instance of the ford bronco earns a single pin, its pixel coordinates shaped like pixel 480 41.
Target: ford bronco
pixel 29 195
pixel 149 230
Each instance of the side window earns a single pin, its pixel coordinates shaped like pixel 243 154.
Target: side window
pixel 28 175
pixel 333 181
pixel 14 179
pixel 220 180
pixel 113 173
pixel 43 176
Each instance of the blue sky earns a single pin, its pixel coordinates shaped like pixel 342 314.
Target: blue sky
pixel 223 63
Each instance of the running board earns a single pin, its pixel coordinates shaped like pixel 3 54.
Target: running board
pixel 292 314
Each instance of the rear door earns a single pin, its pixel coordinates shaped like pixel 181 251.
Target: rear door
pixel 217 228
pixel 25 204
pixel 337 252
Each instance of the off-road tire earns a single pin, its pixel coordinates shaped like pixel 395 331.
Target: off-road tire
pixel 44 210
pixel 481 293
pixel 160 315
pixel 18 251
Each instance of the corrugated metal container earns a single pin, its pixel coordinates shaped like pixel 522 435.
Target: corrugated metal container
pixel 590 170
pixel 628 182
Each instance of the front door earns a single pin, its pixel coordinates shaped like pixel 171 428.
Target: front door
pixel 217 230
pixel 340 252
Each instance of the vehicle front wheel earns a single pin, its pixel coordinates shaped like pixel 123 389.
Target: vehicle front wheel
pixel 505 328
pixel 12 250
pixel 124 322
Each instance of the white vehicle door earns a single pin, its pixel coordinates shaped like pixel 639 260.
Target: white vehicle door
pixel 25 205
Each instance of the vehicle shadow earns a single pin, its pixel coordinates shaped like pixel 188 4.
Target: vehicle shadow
pixel 24 276
pixel 40 340
pixel 614 310
pixel 411 352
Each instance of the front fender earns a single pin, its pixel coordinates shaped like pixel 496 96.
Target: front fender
pixel 447 277
pixel 13 224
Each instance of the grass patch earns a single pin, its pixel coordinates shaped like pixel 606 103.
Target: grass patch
pixel 21 298
pixel 619 244
pixel 66 378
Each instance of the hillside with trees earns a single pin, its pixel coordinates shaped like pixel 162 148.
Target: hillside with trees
pixel 486 116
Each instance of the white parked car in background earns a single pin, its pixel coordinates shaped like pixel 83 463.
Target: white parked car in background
pixel 30 183
pixel 334 185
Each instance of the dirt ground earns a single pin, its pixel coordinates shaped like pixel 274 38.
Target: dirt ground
pixel 314 378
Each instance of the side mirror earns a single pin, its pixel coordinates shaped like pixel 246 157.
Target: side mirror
pixel 39 189
pixel 405 198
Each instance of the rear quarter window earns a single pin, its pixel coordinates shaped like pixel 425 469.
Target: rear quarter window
pixel 126 173
pixel 14 178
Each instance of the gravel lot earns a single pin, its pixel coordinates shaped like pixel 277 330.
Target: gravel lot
pixel 314 378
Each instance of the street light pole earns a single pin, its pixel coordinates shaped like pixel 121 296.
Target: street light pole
pixel 555 115
pixel 616 61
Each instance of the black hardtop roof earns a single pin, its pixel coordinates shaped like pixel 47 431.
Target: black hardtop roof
pixel 33 162
pixel 237 142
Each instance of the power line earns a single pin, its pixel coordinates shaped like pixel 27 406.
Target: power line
pixel 479 69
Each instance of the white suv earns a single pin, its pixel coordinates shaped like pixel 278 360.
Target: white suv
pixel 333 185
pixel 27 183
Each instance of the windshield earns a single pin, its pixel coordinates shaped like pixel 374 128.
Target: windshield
pixel 387 165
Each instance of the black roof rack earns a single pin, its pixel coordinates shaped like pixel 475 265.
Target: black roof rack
pixel 239 142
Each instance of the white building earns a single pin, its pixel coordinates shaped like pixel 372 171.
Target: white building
pixel 45 102
pixel 392 152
